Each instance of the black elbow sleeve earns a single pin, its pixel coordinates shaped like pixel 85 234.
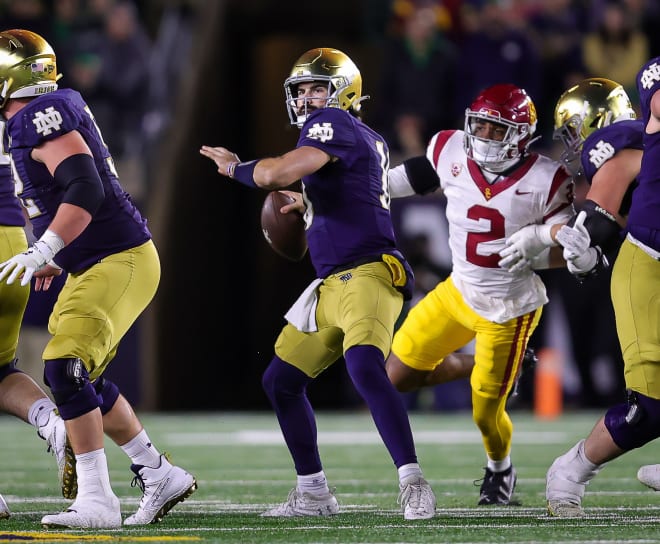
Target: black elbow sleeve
pixel 602 226
pixel 422 176
pixel 81 182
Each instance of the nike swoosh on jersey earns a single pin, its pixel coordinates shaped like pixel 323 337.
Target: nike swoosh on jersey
pixel 523 192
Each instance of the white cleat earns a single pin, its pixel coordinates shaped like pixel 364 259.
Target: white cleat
pixel 416 498
pixel 564 488
pixel 4 509
pixel 162 488
pixel 87 513
pixel 58 445
pixel 649 475
pixel 305 504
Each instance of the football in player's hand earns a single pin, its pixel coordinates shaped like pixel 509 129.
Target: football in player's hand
pixel 285 232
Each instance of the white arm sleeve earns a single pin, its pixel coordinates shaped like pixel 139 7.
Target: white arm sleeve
pixel 399 183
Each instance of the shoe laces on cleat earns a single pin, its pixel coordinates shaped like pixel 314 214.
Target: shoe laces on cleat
pixel 416 499
pixel 497 487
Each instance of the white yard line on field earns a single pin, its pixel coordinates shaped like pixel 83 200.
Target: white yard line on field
pixel 266 437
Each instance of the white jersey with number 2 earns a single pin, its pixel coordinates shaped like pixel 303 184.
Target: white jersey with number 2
pixel 482 215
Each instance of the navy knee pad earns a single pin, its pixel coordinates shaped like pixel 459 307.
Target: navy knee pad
pixel 9 368
pixel 635 422
pixel 107 393
pixel 68 380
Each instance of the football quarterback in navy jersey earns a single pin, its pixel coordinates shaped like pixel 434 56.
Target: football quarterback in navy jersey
pixel 362 278
pixel 86 224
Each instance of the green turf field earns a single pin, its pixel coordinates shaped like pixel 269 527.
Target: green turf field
pixel 243 467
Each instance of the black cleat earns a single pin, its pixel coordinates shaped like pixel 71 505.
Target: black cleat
pixel 528 363
pixel 497 487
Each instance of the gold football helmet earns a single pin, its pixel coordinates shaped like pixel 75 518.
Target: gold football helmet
pixel 584 108
pixel 27 65
pixel 329 65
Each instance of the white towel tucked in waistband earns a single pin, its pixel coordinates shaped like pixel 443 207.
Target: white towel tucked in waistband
pixel 302 315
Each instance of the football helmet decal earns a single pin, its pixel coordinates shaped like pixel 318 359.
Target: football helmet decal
pixel 27 65
pixel 584 108
pixel 508 106
pixel 329 66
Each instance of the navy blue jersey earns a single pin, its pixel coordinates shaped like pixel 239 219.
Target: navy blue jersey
pixel 117 225
pixel 11 213
pixel 644 217
pixel 601 145
pixel 348 202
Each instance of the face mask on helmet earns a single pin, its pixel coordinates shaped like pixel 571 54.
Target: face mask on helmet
pixel 584 108
pixel 328 67
pixel 511 109
pixel 27 65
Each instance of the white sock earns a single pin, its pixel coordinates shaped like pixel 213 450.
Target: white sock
pixel 316 484
pixel 409 470
pixel 92 474
pixel 584 468
pixel 499 466
pixel 39 416
pixel 141 451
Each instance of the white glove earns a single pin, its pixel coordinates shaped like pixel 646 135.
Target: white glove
pixel 583 264
pixel 35 258
pixel 522 246
pixel 580 258
pixel 576 239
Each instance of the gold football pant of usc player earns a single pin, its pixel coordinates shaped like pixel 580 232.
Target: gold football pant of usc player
pixel 13 298
pixel 356 307
pixel 634 289
pixel 440 324
pixel 97 306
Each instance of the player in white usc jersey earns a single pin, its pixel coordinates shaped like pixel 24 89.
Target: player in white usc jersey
pixel 494 187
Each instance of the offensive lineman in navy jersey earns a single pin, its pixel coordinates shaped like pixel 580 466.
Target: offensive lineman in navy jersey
pixel 86 224
pixel 619 162
pixel 362 280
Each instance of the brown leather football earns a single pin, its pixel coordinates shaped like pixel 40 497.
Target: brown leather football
pixel 285 232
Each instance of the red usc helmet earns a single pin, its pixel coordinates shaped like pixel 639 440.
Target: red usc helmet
pixel 510 107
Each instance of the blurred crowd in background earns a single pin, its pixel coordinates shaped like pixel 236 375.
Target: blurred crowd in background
pixel 126 70
pixel 439 54
pixel 127 58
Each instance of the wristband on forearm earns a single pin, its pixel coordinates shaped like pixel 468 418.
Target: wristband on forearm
pixel 243 172
pixel 49 244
